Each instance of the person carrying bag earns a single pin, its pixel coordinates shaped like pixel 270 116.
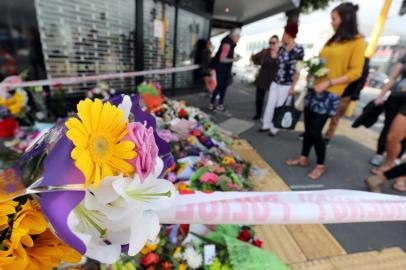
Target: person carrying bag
pixel 286 116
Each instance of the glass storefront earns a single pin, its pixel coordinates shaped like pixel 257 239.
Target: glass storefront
pixel 159 29
pixel 20 46
pixel 191 28
pixel 57 38
pixel 86 37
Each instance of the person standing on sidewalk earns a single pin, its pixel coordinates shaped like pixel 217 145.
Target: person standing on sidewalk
pixel 286 76
pixel 223 63
pixel 268 60
pixel 351 93
pixel 344 57
pixel 391 106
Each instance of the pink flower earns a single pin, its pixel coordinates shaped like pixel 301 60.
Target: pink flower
pixel 219 169
pixel 145 146
pixel 167 136
pixel 233 186
pixel 209 178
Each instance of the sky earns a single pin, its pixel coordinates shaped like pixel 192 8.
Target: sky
pixel 367 15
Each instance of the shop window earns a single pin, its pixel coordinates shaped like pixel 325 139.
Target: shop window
pixel 191 28
pixel 159 29
pixel 85 37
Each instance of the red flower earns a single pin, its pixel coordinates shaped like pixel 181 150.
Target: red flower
pixel 151 268
pixel 245 235
pixel 182 113
pixel 150 259
pixel 166 265
pixel 257 243
pixel 196 133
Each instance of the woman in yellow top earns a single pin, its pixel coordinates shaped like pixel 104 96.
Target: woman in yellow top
pixel 344 57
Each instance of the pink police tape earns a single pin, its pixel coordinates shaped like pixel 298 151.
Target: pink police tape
pixel 309 207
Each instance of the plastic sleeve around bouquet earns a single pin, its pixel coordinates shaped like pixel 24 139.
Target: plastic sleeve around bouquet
pixel 48 165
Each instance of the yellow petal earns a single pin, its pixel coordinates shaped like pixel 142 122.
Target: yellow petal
pixel 77 138
pixel 121 165
pixel 107 116
pixel 74 123
pixel 84 114
pixel 96 109
pixel 106 170
pixel 125 154
pixel 124 146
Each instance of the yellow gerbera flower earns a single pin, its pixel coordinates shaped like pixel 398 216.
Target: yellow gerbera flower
pixel 28 221
pixel 6 208
pixel 16 103
pixel 48 252
pixel 97 135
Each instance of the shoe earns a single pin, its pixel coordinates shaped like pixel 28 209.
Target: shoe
pixel 211 107
pixel 301 136
pixel 375 183
pixel 273 133
pixel 263 130
pixel 220 108
pixel 398 161
pixel 377 160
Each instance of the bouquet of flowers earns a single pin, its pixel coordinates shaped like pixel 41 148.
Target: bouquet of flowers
pixel 102 91
pixel 151 94
pixel 104 167
pixel 315 68
pixel 12 105
pixel 203 247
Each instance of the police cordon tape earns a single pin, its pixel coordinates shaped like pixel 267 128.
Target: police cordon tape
pixel 296 207
pixel 75 80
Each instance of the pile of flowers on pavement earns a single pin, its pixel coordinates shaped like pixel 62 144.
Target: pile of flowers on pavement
pixel 114 163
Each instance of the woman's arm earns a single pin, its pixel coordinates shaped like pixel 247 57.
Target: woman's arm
pixel 225 49
pixel 257 58
pixel 394 73
pixel 354 71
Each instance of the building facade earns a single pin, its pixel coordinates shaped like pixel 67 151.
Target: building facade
pixel 57 38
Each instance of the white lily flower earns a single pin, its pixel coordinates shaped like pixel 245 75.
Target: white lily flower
pixel 126 106
pixel 120 211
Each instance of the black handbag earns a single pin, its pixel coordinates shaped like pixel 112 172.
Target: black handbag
pixel 286 116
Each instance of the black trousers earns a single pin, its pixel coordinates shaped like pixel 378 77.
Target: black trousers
pixel 259 101
pixel 223 80
pixel 397 171
pixel 313 135
pixel 392 107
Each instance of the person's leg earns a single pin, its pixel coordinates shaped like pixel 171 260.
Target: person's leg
pixel 220 85
pixel 282 94
pixel 259 101
pixel 396 135
pixel 270 107
pixel 222 93
pixel 342 108
pixel 307 137
pixel 392 106
pixel 397 171
pixel 319 120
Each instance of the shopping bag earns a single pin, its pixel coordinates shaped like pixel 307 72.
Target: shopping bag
pixel 286 116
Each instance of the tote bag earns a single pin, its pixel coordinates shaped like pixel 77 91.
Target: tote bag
pixel 286 116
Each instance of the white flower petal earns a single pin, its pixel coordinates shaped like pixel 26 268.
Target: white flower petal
pixel 126 105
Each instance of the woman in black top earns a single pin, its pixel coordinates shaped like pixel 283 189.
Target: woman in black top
pixel 397 81
pixel 268 59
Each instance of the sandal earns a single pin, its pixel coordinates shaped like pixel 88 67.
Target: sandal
pixel 375 182
pixel 317 172
pixel 299 162
pixel 399 187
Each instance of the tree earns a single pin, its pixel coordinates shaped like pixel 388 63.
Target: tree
pixel 306 6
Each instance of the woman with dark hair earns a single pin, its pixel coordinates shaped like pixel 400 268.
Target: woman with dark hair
pixel 344 57
pixel 268 60
pixel 286 76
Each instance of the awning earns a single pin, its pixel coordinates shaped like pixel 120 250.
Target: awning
pixel 235 13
